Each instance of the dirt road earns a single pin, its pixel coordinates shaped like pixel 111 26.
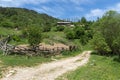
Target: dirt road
pixel 48 71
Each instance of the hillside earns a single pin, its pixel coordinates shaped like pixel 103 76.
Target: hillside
pixel 21 17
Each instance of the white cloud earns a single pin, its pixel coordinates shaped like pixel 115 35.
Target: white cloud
pixel 6 0
pixel 116 7
pixel 55 11
pixel 79 2
pixel 93 14
pixel 79 8
pixel 9 3
pixel 19 3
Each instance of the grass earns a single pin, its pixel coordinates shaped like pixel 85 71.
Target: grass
pixel 24 61
pixel 70 53
pixel 22 41
pixel 21 61
pixel 98 68
pixel 8 31
pixel 56 37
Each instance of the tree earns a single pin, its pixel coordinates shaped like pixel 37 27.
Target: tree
pixel 7 24
pixel 79 32
pixel 60 28
pixel 109 28
pixel 34 36
pixel 69 33
pixel 98 43
pixel 83 20
pixel 46 29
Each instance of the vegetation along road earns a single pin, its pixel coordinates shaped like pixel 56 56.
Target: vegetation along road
pixel 48 71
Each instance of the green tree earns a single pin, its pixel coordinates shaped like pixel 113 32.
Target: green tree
pixel 7 24
pixel 70 34
pixel 109 27
pixel 83 20
pixel 98 43
pixel 60 28
pixel 34 36
pixel 46 29
pixel 79 32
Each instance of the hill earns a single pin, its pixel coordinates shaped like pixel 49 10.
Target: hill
pixel 21 17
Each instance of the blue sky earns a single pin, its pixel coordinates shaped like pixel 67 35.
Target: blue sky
pixel 66 9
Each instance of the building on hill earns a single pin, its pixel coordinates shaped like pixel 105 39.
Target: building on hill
pixel 65 24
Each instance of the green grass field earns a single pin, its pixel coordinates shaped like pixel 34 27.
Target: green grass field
pixel 8 31
pixel 55 37
pixel 98 68
pixel 21 61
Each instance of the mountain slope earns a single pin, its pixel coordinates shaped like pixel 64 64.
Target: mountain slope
pixel 21 17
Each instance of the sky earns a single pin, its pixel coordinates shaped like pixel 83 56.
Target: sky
pixel 67 9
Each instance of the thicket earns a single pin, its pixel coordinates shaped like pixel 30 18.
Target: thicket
pixel 34 36
pixel 81 31
pixel 106 38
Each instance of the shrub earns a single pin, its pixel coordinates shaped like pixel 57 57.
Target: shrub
pixel 60 28
pixel 70 35
pixel 34 36
pixel 46 29
pixel 99 44
pixel 79 31
pixel 16 38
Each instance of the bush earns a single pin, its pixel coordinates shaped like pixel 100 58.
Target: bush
pixel 7 24
pixel 109 28
pixel 98 43
pixel 79 31
pixel 60 28
pixel 84 39
pixel 34 36
pixel 70 35
pixel 46 29
pixel 116 46
pixel 16 38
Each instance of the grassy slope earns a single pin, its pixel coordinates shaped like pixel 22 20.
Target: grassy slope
pixel 99 68
pixel 49 37
pixel 8 31
pixel 57 37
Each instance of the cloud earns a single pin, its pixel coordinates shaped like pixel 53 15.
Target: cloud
pixel 6 0
pixel 93 14
pixel 55 11
pixel 19 3
pixel 79 2
pixel 79 8
pixel 116 7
